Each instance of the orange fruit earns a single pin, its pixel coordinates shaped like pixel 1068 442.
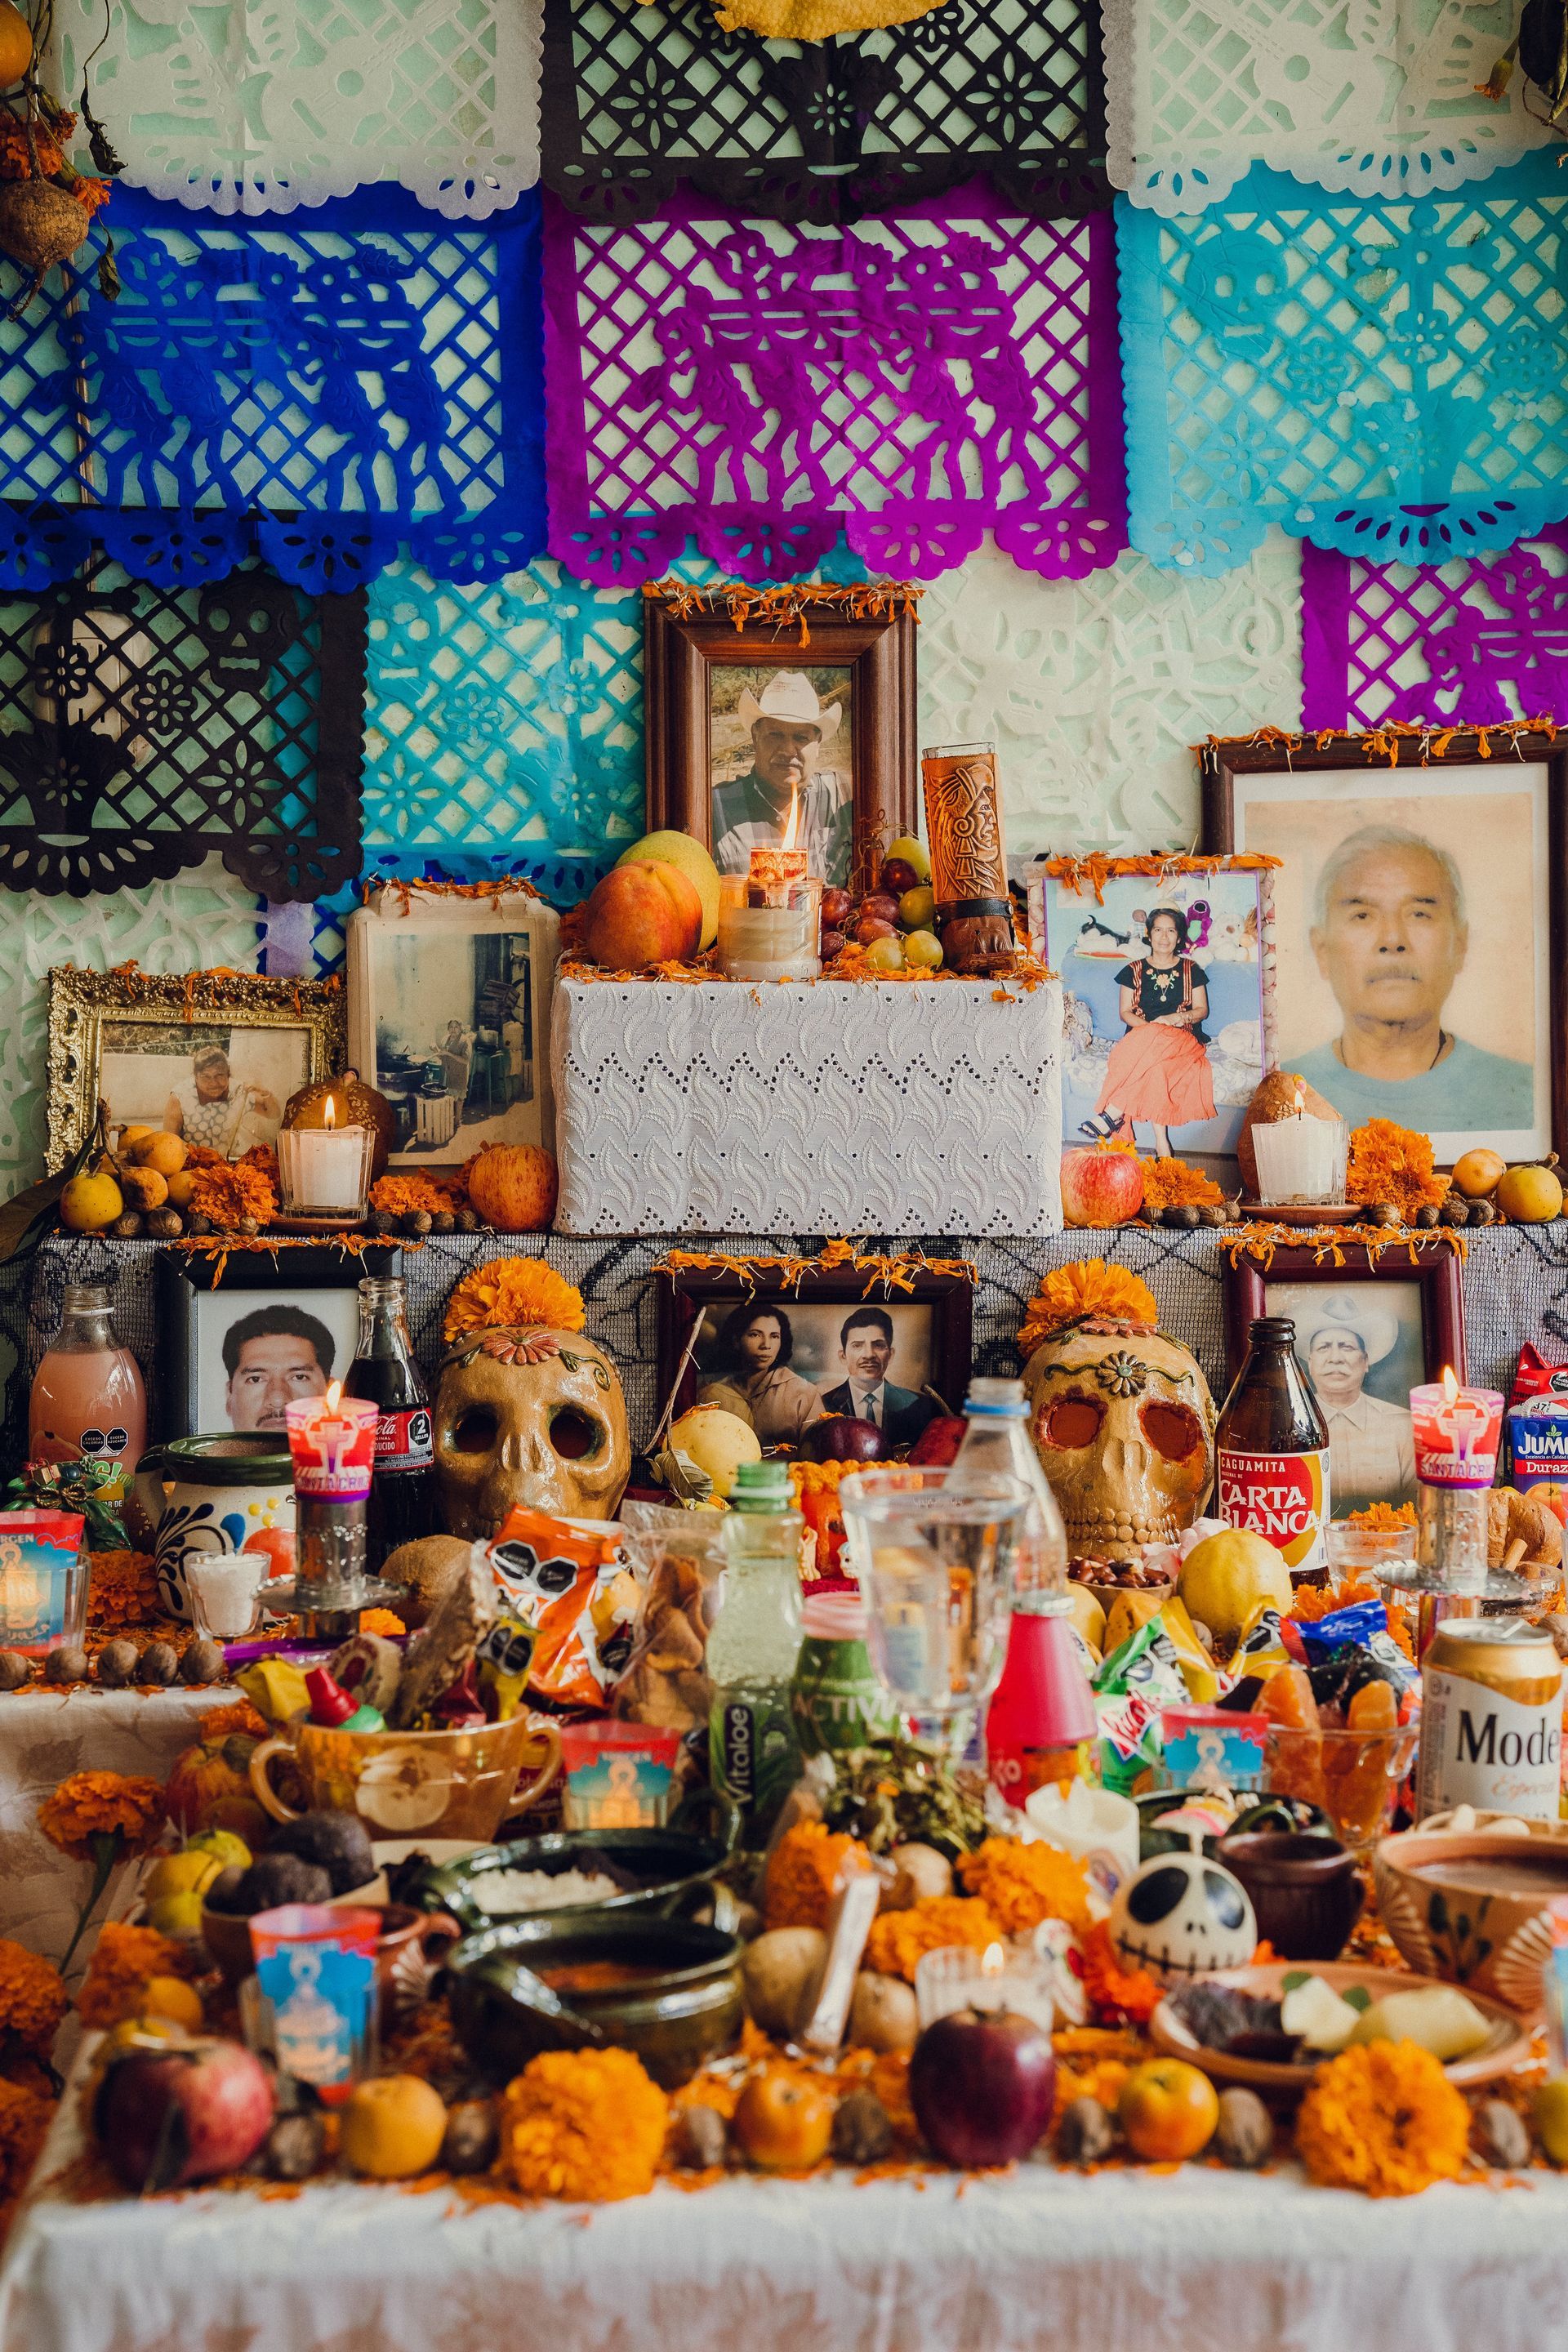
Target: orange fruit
pixel 1168 2110
pixel 1477 1173
pixel 144 1187
pixel 1530 1196
pixel 784 2121
pixel 166 1153
pixel 15 45
pixel 181 1185
pixel 89 1203
pixel 391 2127
pixel 173 1998
pixel 1555 1499
pixel 513 1186
pixel 278 1543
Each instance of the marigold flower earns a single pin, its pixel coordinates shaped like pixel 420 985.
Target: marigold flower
pixel 123 1589
pixel 804 1871
pixel 513 1293
pixel 227 1195
pixel 1382 1518
pixel 382 1621
pixel 1115 1993
pixel 25 2119
pixel 89 1805
pixel 1384 2118
pixel 1086 1288
pixel 399 1196
pixel 1390 1162
pixel 1171 1184
pixel 583 2123
pixel 1022 1884
pixel 899 1941
pixel 124 1959
pixel 220 1723
pixel 33 1999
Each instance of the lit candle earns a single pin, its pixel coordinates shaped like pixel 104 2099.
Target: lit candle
pixel 333 1441
pixel 1300 1159
pixel 324 1169
pixel 775 875
pixel 1457 1432
pixel 769 917
pixel 989 1982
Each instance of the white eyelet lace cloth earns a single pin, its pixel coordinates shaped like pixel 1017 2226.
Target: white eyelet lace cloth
pixel 842 1108
pixel 1379 99
pixel 261 108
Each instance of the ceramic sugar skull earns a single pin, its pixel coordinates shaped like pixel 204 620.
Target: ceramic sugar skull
pixel 1182 1915
pixel 1123 1423
pixel 531 1416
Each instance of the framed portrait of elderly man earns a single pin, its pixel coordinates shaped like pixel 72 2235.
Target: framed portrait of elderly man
pixel 1368 1332
pixel 774 731
pixel 1418 915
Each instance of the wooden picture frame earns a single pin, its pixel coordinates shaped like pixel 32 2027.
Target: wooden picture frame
pixel 813 1309
pixel 1513 872
pixel 186 1379
pixel 687 639
pixel 1253 1287
pixel 168 1018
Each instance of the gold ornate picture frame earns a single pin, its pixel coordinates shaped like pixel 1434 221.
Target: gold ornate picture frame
pixel 211 1054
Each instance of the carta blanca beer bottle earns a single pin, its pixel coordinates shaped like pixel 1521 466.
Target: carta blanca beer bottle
pixel 1271 1450
pixel 754 1648
pixel 403 1484
pixel 1491 1719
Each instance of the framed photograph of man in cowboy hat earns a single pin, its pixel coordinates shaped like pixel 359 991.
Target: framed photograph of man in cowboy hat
pixel 1367 1332
pixel 756 728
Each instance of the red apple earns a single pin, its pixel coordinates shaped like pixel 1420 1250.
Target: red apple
pixel 835 906
pixel 983 2087
pixel 839 1437
pixel 937 1446
pixel 183 2112
pixel 1101 1188
pixel 898 876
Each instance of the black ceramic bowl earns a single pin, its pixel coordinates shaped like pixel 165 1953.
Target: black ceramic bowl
pixel 1152 1841
pixel 665 1868
pixel 684 2007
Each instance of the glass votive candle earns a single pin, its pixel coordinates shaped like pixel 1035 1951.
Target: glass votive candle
pixel 324 1172
pixel 44 1575
pixel 332 1441
pixel 315 1964
pixel 225 1592
pixel 1301 1160
pixel 990 1981
pixel 768 932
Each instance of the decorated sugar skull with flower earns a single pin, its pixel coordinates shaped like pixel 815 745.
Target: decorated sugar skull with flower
pixel 1120 1415
pixel 527 1412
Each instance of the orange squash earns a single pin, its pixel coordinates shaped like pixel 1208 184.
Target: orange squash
pixel 209 1788
pixel 513 1186
pixel 15 45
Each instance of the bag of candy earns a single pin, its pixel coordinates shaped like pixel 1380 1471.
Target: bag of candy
pixel 568 1584
pixel 678 1559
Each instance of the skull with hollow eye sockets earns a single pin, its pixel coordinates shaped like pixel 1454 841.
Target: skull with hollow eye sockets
pixel 535 1417
pixel 1123 1423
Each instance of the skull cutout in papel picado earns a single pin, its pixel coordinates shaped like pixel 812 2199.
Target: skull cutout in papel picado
pixel 528 1416
pixel 1181 1917
pixel 1123 1423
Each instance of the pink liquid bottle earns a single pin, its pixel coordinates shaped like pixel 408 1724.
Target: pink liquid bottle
pixel 88 1398
pixel 1040 1728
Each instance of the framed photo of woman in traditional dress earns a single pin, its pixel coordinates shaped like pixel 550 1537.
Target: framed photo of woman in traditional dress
pixel 1419 924
pixel 1164 987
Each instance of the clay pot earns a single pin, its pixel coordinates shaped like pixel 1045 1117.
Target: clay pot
pixel 410 1953
pixel 1472 1906
pixel 1305 1890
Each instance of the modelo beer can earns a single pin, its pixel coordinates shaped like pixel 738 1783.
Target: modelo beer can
pixel 1491 1719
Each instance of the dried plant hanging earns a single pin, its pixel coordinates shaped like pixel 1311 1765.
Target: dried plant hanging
pixel 47 205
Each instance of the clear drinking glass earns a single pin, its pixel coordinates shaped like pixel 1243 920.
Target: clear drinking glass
pixel 933 1553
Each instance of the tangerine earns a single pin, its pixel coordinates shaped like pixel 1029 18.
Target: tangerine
pixel 784 2121
pixel 15 45
pixel 393 2128
pixel 166 1153
pixel 1168 2110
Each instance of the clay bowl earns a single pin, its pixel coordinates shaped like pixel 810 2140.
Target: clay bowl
pixel 1306 1892
pixel 668 1870
pixel 1283 2084
pixel 1470 1906
pixel 683 2007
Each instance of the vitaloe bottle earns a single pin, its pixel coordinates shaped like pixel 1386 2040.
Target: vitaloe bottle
pixel 1040 1727
pixel 754 1647
pixel 402 1506
pixel 1272 1449
pixel 87 1400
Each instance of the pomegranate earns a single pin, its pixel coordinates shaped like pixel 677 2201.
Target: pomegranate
pixel 180 2112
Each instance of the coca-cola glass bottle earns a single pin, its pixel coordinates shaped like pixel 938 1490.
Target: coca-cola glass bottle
pixel 403 1484
pixel 1272 1451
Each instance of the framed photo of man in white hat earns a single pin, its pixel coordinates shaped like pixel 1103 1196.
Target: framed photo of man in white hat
pixel 1367 1332
pixel 773 729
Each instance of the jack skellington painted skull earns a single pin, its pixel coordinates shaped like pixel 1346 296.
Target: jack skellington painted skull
pixel 528 1416
pixel 1123 1423
pixel 1182 1915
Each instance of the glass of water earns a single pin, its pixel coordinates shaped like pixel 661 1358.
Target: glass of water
pixel 933 1553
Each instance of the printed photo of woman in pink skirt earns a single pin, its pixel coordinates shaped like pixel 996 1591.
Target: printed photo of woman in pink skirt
pixel 1158 1073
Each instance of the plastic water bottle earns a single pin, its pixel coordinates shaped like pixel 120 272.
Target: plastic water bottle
pixel 1041 1727
pixel 754 1647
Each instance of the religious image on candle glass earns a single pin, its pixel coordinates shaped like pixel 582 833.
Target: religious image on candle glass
pixel 1161 1005
pixel 789 1362
pixel 212 1083
pixel 1364 1346
pixel 779 737
pixel 257 1350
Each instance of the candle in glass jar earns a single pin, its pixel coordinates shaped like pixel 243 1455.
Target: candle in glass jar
pixel 1300 1158
pixel 1457 1432
pixel 324 1171
pixel 333 1441
pixel 957 1976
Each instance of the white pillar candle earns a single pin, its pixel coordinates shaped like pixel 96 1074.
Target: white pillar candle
pixel 323 1169
pixel 1299 1159
pixel 1088 1823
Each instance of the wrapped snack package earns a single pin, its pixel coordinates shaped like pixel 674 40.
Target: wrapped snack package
pixel 679 1560
pixel 567 1583
pixel 1132 1690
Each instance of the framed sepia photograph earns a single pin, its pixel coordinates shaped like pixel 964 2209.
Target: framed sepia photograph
pixel 450 1018
pixel 241 1338
pixel 747 723
pixel 783 1358
pixel 211 1056
pixel 1418 925
pixel 1368 1332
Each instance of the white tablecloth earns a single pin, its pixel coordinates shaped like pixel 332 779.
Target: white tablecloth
pixel 1194 2260
pixel 45 1735
pixel 839 1107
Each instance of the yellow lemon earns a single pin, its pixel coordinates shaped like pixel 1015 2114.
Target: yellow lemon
pixel 1225 1577
pixel 89 1203
pixel 1087 1614
pixel 186 1872
pixel 680 849
pixel 393 2128
pixel 173 1998
pixel 1529 1196
pixel 717 1442
pixel 224 1845
pixel 177 1915
pixel 1549 2113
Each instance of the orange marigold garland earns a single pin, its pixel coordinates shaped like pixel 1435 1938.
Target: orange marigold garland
pixel 1171 1184
pixel 103 1817
pixel 1382 1518
pixel 583 2123
pixel 1384 2118
pixel 33 2001
pixel 230 1197
pixel 222 1722
pixel 899 1941
pixel 804 1871
pixel 1086 1288
pixel 399 1196
pixel 124 1959
pixel 516 1294
pixel 1022 1884
pixel 1389 1162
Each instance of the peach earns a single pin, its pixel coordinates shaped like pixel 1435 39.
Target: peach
pixel 644 913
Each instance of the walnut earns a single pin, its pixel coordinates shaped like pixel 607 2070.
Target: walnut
pixel 862 2130
pixel 1499 2136
pixel 1244 2137
pixel 1085 2134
